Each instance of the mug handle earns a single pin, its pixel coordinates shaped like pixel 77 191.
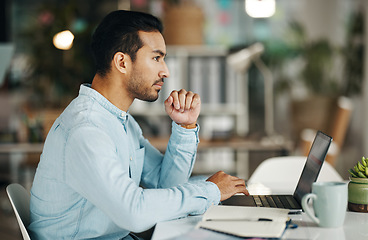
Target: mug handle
pixel 307 208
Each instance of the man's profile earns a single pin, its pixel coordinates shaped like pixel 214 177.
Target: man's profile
pixel 98 177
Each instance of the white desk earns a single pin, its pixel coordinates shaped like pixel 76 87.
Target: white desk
pixel 355 228
pixel 355 225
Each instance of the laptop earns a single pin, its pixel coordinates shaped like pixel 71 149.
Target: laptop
pixel 310 172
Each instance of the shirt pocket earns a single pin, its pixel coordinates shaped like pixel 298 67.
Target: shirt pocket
pixel 136 164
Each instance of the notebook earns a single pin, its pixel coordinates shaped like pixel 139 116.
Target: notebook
pixel 245 221
pixel 310 172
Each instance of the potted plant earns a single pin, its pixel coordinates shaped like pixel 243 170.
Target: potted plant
pixel 358 187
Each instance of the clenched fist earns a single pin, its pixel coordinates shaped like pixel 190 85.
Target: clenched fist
pixel 183 107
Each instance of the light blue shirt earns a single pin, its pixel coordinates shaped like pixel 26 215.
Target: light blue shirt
pixel 98 177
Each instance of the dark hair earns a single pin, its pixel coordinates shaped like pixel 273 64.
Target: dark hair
pixel 118 32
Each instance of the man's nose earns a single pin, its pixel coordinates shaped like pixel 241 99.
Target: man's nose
pixel 164 73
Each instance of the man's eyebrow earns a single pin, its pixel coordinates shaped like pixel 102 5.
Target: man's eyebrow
pixel 160 52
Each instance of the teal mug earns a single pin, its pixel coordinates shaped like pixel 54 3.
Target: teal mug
pixel 329 200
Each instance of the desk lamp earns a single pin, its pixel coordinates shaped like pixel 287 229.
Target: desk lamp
pixel 241 61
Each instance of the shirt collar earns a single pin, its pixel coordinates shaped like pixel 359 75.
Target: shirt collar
pixel 85 89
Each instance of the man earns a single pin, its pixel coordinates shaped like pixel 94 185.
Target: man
pixel 98 177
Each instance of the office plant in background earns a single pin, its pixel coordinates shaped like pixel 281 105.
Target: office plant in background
pixel 303 70
pixel 354 54
pixel 317 60
pixel 55 74
pixel 315 65
pixel 315 73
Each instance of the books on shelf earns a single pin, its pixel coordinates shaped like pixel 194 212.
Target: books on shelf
pixel 207 75
pixel 245 221
pixel 202 70
pixel 214 80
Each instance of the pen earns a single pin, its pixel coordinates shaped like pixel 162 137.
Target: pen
pixel 291 225
pixel 243 219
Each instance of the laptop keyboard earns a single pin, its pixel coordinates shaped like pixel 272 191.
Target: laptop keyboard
pixel 276 201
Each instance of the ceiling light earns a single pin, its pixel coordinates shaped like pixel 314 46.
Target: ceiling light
pixel 260 8
pixel 63 40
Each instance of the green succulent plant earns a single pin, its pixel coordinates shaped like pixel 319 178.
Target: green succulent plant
pixel 360 170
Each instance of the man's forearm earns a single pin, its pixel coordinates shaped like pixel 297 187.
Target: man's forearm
pixel 179 157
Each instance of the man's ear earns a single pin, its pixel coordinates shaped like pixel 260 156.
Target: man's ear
pixel 121 62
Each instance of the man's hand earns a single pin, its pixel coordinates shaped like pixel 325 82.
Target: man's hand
pixel 183 107
pixel 228 185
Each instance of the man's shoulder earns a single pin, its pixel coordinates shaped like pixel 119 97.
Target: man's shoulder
pixel 86 111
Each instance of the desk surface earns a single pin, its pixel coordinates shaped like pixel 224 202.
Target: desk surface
pixel 355 227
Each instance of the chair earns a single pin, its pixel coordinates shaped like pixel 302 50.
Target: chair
pixel 285 172
pixel 20 198
pixel 337 130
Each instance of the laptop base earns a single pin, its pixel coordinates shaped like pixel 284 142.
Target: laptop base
pixel 274 201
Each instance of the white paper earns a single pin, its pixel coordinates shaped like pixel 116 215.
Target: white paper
pixel 245 221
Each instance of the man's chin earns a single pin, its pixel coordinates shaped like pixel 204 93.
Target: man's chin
pixel 149 98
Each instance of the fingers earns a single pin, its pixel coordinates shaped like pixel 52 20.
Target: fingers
pixel 188 100
pixel 176 100
pixel 228 185
pixel 240 186
pixel 183 100
pixel 169 101
pixel 196 100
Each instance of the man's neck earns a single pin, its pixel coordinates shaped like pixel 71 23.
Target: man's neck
pixel 112 91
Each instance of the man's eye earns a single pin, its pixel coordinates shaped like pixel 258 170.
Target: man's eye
pixel 157 58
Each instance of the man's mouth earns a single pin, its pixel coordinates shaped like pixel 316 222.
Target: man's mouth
pixel 159 83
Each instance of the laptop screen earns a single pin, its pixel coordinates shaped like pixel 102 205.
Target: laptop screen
pixel 313 165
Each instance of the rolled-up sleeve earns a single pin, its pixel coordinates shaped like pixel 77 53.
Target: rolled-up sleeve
pixel 176 166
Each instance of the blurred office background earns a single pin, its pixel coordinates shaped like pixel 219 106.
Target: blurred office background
pixel 311 54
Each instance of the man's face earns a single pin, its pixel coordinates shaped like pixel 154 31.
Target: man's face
pixel 149 68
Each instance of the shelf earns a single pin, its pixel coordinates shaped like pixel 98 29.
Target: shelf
pixel 196 51
pixel 235 143
pixel 158 109
pixel 21 147
pixel 203 70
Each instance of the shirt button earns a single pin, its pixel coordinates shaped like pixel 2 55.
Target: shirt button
pixel 131 159
pixel 122 114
